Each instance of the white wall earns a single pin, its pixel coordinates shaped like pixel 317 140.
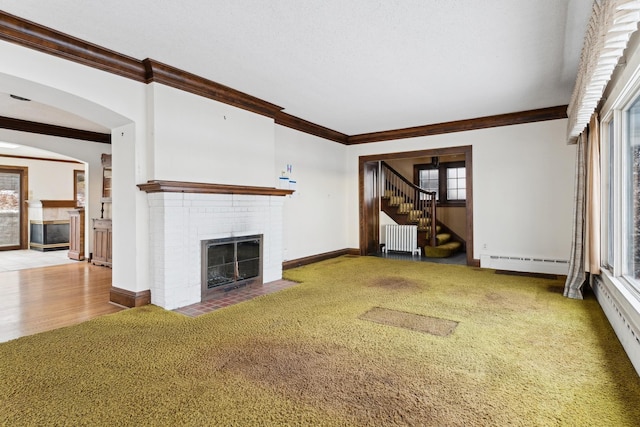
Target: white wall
pixel 523 175
pixel 200 140
pixel 88 152
pixel 48 180
pixel 315 216
pixel 112 101
pixel 522 186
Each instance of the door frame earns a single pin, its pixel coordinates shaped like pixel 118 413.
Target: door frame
pixel 466 150
pixel 23 171
pixel 369 209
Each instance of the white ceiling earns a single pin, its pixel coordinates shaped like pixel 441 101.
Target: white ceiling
pixel 36 111
pixel 354 66
pixel 24 151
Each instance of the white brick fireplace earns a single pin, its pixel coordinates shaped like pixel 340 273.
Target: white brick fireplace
pixel 180 221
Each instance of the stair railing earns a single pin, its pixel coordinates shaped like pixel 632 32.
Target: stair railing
pixel 423 202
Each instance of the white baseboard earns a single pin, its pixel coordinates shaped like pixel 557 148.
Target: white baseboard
pixel 524 264
pixel 622 309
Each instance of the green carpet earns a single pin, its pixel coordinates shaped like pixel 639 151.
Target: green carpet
pixel 521 354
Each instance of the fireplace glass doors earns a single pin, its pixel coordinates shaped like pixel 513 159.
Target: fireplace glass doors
pixel 231 262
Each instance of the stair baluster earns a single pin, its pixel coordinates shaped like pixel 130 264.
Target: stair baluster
pixel 418 204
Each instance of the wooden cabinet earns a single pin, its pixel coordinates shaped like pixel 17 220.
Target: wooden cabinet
pixel 76 234
pixel 101 242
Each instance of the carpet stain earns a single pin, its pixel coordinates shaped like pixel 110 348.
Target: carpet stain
pixel 510 302
pixel 525 356
pixel 494 297
pixel 556 289
pixel 414 322
pixel 394 283
pixel 336 379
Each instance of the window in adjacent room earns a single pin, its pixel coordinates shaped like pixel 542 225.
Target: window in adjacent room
pixel 448 180
pixel 456 184
pixel 428 179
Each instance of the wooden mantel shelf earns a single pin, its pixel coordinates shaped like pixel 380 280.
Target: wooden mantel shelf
pixel 157 186
pixel 58 203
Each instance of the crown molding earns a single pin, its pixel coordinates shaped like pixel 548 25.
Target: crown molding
pixel 179 79
pixel 159 186
pixel 301 125
pixel 530 116
pixel 50 41
pixel 53 130
pixel 47 40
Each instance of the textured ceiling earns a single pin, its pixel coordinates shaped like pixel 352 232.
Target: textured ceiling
pixel 354 66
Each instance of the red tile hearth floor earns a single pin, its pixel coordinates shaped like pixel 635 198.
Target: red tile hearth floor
pixel 234 296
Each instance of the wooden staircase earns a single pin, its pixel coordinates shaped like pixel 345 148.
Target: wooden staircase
pixel 408 204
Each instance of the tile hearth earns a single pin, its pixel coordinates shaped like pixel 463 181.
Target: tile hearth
pixel 234 296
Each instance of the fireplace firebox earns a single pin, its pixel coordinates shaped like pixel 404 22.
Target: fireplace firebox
pixel 229 263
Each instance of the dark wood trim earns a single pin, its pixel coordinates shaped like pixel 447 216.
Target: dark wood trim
pixel 474 263
pixel 58 203
pixel 286 265
pixel 44 159
pixel 466 150
pixel 157 186
pixel 183 80
pixel 442 167
pixel 53 42
pixel 447 151
pixel 23 171
pixel 129 298
pixel 53 130
pixel 35 36
pixel 296 123
pixel 362 208
pixel 530 116
pixel 468 155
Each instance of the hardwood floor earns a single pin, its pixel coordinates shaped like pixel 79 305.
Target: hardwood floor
pixel 41 299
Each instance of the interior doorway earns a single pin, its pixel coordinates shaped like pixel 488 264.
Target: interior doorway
pixel 13 212
pixel 369 194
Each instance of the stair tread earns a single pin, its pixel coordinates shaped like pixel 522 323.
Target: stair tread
pixel 442 238
pixel 442 251
pixel 449 245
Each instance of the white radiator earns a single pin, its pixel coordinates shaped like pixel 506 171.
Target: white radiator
pixel 622 308
pixel 525 264
pixel 401 238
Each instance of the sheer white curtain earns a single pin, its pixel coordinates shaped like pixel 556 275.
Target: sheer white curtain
pixel 592 205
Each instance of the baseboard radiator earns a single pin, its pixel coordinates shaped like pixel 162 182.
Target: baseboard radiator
pixel 525 264
pixel 401 238
pixel 623 312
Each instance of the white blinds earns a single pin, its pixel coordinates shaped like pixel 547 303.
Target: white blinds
pixel 611 24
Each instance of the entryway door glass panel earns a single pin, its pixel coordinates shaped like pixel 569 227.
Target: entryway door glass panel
pixel 9 209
